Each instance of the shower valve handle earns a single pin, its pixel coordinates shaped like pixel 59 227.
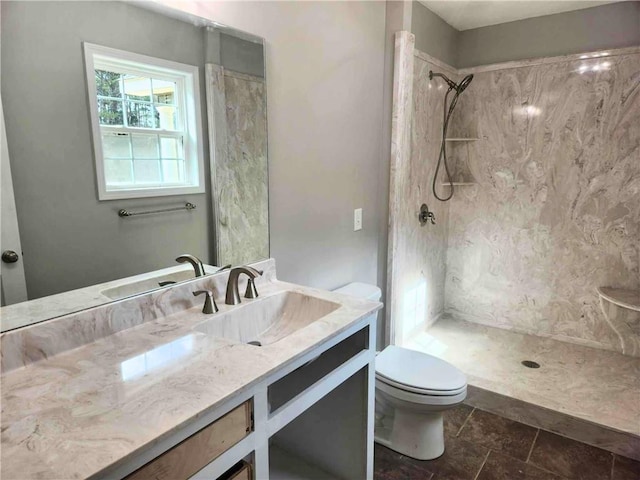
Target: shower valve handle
pixel 425 215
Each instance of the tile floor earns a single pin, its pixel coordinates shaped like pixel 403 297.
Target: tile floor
pixel 484 446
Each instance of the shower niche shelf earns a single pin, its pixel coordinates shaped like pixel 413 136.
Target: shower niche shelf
pixel 462 175
pixel 459 184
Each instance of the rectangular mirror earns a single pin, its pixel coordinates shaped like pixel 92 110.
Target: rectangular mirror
pixel 134 133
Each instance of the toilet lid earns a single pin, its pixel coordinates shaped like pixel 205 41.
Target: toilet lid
pixel 417 370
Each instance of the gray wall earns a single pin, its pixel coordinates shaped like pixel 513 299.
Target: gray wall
pixel 325 65
pixel 234 53
pixel 69 238
pixel 615 25
pixel 433 35
pixel 241 55
pixel 609 26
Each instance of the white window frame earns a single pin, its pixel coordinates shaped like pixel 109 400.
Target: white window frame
pixel 188 82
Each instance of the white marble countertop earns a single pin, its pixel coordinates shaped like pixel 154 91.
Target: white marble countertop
pixel 83 410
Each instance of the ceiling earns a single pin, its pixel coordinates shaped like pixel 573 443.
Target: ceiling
pixel 465 14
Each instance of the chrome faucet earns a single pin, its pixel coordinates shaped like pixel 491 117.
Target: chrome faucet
pixel 209 302
pixel 233 295
pixel 195 262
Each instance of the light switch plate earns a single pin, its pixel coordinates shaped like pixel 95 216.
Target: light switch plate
pixel 357 219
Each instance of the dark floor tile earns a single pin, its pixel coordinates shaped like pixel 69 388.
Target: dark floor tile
pixel 571 459
pixel 502 467
pixel 499 433
pixel 390 465
pixel 384 457
pixel 455 418
pixel 403 471
pixel 625 468
pixel 461 460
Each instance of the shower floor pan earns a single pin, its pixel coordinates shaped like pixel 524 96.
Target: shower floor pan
pixel 583 393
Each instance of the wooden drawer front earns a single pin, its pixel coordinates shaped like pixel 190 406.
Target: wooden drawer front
pixel 243 474
pixel 200 449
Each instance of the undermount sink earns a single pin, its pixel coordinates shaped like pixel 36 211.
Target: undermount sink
pixel 267 319
pixel 151 281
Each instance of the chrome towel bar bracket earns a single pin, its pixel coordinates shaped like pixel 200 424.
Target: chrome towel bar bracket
pixel 126 213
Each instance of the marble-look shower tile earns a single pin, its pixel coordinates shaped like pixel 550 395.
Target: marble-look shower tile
pixel 418 252
pixel 398 179
pixel 554 215
pixel 238 125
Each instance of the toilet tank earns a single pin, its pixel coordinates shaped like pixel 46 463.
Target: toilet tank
pixel 362 290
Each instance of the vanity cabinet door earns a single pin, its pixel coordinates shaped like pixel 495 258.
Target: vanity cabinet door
pixel 192 454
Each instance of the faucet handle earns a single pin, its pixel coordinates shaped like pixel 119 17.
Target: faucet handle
pixel 210 305
pixel 251 291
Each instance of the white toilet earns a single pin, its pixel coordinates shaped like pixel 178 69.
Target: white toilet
pixel 413 389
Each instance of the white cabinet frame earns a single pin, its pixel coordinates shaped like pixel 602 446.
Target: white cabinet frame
pixel 267 424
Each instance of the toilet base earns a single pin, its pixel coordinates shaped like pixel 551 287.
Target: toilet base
pixel 416 435
pixel 410 423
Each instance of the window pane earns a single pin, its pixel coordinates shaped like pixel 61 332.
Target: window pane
pixel 173 171
pixel 137 88
pixel 164 92
pixel 167 116
pixel 110 112
pixel 117 172
pixel 171 147
pixel 108 83
pixel 147 171
pixel 145 146
pixel 141 115
pixel 116 145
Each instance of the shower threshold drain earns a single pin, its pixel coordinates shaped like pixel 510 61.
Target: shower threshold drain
pixel 530 364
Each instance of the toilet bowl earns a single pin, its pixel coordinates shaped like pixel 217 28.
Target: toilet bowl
pixel 413 390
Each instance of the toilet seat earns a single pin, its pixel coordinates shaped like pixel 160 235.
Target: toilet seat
pixel 420 391
pixel 419 400
pixel 418 373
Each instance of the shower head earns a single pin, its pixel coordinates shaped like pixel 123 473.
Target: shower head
pixel 458 87
pixel 464 83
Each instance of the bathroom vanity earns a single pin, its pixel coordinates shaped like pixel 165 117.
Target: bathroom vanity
pixel 151 387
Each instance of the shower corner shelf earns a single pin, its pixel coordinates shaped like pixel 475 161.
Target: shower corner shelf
pixel 629 299
pixel 459 184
